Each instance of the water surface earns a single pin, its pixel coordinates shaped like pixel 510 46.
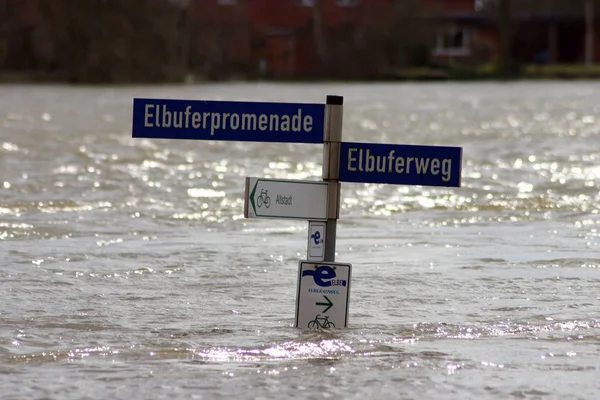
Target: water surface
pixel 128 270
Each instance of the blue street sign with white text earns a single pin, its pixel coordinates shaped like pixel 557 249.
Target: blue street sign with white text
pixel 228 120
pixel 400 164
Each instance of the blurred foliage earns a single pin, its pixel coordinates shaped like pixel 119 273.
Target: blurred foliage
pixel 157 41
pixel 568 71
pixel 526 8
pixel 385 38
pixel 519 36
pixel 122 41
pixel 116 40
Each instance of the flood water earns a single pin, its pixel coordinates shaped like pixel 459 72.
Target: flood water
pixel 128 271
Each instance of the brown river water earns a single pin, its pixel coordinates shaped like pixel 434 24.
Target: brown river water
pixel 128 271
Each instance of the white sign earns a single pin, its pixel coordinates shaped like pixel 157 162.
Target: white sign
pixel 279 198
pixel 323 295
pixel 316 241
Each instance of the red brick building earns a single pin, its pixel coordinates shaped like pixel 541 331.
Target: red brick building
pixel 463 34
pixel 221 36
pixel 291 38
pixel 555 34
pixel 341 38
pixel 304 37
pixel 283 38
pixel 543 31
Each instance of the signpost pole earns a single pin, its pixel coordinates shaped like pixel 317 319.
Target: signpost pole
pixel 332 138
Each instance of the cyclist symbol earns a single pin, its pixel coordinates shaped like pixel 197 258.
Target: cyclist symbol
pixel 263 198
pixel 321 322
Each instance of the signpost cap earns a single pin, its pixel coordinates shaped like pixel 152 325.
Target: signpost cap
pixel 335 100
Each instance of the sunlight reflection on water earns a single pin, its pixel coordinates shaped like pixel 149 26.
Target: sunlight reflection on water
pixel 129 260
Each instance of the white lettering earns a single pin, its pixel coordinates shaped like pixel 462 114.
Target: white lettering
pixel 360 159
pixel 296 119
pixel 370 162
pixel 196 120
pixel 446 169
pixel 187 116
pixel 148 115
pixel 363 160
pixel 422 165
pixel 215 119
pixel 390 159
pixel 249 122
pixel 225 115
pixel 435 166
pixel 234 121
pixel 263 122
pixel 408 160
pixel 400 165
pixel 205 117
pixel 308 123
pixel 351 159
pixel 166 117
pixel 177 122
pixel 285 123
pixel 274 122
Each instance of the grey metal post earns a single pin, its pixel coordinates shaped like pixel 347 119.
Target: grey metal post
pixel 332 138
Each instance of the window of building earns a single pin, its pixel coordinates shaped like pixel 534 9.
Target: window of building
pixel 453 41
pixel 347 3
pixel 479 5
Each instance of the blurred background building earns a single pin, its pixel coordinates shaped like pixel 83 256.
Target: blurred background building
pixel 172 40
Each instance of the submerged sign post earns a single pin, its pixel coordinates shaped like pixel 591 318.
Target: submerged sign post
pixel 323 295
pixel 323 291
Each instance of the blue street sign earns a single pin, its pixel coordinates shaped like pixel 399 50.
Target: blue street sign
pixel 400 164
pixel 228 120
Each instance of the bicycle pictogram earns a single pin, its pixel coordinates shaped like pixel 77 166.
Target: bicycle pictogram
pixel 321 322
pixel 263 198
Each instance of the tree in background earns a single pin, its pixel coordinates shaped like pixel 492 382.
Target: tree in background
pixel 589 8
pixel 221 37
pixel 502 12
pixel 507 67
pixel 378 38
pixel 116 40
pixel 319 36
pixel 408 36
pixel 4 21
pixel 578 29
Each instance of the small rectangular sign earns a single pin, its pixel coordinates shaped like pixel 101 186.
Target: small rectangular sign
pixel 288 199
pixel 323 295
pixel 228 120
pixel 316 241
pixel 400 164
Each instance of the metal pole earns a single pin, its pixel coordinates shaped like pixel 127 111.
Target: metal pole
pixel 332 138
